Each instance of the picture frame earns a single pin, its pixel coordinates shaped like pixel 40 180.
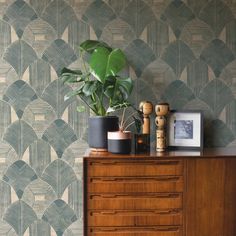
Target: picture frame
pixel 185 130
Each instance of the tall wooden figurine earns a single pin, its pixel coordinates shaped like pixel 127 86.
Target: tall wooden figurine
pixel 161 110
pixel 146 107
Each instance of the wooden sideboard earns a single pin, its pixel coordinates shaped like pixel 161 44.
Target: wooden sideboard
pixel 160 194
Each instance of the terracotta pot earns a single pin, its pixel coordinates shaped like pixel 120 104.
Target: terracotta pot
pixel 119 142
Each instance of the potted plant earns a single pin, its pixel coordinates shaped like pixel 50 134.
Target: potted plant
pixel 119 142
pixel 101 87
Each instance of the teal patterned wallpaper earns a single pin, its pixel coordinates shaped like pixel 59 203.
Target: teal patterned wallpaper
pixel 182 52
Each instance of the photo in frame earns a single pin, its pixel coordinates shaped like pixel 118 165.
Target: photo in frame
pixel 185 130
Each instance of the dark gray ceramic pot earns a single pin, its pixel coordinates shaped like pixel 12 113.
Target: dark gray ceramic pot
pixel 98 128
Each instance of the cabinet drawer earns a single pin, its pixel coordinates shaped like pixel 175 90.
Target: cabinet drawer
pixel 135 218
pixel 135 167
pixel 137 231
pixel 135 201
pixel 135 184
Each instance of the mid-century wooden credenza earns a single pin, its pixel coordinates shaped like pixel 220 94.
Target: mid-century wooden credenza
pixel 166 194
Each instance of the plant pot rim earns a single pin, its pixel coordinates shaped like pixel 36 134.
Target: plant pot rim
pixel 116 135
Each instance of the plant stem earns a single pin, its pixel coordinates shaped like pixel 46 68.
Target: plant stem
pixel 127 119
pixel 101 99
pixel 89 105
pixel 81 56
pixel 129 125
pixel 101 109
pixel 122 119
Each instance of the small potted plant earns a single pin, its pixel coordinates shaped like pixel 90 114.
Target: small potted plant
pixel 119 142
pixel 101 87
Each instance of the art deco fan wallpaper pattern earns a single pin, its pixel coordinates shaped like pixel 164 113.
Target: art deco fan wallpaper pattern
pixel 183 52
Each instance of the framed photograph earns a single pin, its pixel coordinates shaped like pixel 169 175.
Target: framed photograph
pixel 185 130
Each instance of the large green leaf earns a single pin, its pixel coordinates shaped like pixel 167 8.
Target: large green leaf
pixel 90 45
pixel 90 87
pixel 66 70
pixel 118 89
pixel 73 93
pixel 104 63
pixel 118 107
pixel 98 63
pixel 116 62
pixel 92 100
pixel 71 76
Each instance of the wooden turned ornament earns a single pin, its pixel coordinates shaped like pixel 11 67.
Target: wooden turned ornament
pixel 162 110
pixel 146 107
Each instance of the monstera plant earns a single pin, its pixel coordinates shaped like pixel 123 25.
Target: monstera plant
pixel 100 86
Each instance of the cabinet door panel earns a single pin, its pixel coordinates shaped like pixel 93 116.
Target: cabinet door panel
pixel 135 168
pixel 135 185
pixel 205 197
pixel 135 218
pixel 230 198
pixel 135 201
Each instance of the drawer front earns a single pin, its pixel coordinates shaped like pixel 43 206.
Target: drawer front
pixel 135 168
pixel 135 201
pixel 135 218
pixel 135 184
pixel 138 231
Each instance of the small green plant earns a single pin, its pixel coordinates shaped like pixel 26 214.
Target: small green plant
pixel 100 85
pixel 135 118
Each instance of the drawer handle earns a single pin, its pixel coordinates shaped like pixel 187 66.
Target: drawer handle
pixel 167 212
pixel 170 195
pixel 132 212
pixel 103 163
pixel 163 195
pixel 170 229
pixel 136 163
pixel 99 196
pixel 104 213
pixel 108 212
pixel 110 179
pixel 108 229
pixel 160 229
pixel 104 196
pixel 166 178
pixel 136 179
pixel 167 162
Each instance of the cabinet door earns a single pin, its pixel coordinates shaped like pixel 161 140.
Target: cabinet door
pixel 230 198
pixel 210 197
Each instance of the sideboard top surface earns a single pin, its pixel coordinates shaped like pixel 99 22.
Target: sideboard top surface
pixel 205 153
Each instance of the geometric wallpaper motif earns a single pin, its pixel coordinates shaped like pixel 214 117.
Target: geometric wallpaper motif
pixel 179 51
